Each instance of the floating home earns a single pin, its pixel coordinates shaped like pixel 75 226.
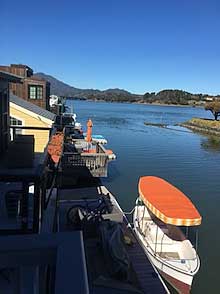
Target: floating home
pixel 26 114
pixel 54 215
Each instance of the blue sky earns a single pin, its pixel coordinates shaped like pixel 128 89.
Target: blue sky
pixel 138 45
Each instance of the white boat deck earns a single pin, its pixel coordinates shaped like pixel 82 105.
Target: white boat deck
pixel 167 241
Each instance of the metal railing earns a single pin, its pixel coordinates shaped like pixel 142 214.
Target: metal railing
pixel 31 212
pixel 96 163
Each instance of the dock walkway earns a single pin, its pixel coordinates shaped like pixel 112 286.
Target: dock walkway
pixel 148 278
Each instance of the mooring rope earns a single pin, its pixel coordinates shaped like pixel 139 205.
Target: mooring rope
pixel 129 212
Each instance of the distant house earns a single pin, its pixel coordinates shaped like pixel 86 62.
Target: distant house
pixel 209 99
pixel 33 89
pixel 5 79
pixel 24 113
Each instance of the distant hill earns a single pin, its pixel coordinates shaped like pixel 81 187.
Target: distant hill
pixel 169 96
pixel 60 88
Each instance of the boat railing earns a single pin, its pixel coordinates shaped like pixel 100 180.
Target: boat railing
pixel 168 259
pixel 159 252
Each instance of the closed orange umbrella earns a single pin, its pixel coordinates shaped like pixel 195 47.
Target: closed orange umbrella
pixel 89 131
pixel 55 146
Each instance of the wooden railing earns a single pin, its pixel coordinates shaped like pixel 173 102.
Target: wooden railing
pixel 30 208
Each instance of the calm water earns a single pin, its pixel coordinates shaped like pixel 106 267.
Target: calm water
pixel 189 161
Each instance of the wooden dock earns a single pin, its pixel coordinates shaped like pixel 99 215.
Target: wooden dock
pixel 148 278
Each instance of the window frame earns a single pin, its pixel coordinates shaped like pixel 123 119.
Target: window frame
pixel 39 92
pixel 18 131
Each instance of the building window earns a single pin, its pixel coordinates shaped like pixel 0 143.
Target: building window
pixel 35 92
pixel 15 122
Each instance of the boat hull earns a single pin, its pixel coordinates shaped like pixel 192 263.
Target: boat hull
pixel 176 284
pixel 178 279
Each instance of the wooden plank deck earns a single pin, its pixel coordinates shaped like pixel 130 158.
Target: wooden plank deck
pixel 49 214
pixel 148 278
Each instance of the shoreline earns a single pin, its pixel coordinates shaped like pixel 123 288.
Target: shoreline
pixel 199 125
pixel 164 104
pixel 139 103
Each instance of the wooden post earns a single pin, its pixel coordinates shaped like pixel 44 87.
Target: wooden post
pixel 143 218
pixel 156 241
pixel 24 206
pixel 13 134
pixel 44 190
pixel 37 204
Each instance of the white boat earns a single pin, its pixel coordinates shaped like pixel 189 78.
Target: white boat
pixel 160 211
pixel 98 138
pixel 70 115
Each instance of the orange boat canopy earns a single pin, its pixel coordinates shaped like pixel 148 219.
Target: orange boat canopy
pixel 168 203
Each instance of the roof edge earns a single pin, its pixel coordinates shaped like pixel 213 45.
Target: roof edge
pixel 10 77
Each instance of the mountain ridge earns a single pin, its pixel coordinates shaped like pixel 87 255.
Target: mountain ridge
pixel 167 96
pixel 61 88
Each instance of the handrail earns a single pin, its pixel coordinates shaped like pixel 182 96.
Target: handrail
pixel 51 253
pixel 102 148
pixel 30 128
pixel 171 259
pixel 175 260
pixel 85 154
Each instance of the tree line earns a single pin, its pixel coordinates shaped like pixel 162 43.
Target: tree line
pixel 175 97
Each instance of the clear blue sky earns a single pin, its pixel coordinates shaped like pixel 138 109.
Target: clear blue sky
pixel 138 45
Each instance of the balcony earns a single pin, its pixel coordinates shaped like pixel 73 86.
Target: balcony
pixel 23 179
pixel 43 264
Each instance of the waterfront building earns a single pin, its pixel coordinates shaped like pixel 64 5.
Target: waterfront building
pixel 5 79
pixel 33 89
pixel 26 114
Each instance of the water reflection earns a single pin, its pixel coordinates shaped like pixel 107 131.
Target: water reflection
pixel 211 143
